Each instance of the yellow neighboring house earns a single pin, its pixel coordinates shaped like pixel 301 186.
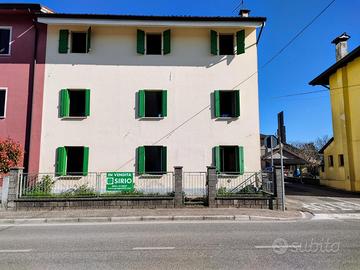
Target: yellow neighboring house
pixel 342 153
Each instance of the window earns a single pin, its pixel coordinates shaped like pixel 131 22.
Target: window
pixel 331 161
pixel 229 159
pixel 223 44
pixel 3 94
pixel 80 41
pixel 341 161
pixel 5 39
pixel 226 44
pixel 153 43
pixel 72 160
pixel 152 103
pixel 74 103
pixel 227 103
pixel 151 159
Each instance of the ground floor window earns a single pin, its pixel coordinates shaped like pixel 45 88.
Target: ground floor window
pixel 3 95
pixel 229 159
pixel 341 161
pixel 152 159
pixel 72 160
pixel 331 161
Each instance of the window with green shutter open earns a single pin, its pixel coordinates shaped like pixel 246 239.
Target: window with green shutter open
pixel 227 103
pixel 80 42
pixel 229 159
pixel 150 43
pixel 74 103
pixel 72 160
pixel 152 103
pixel 224 43
pixel 151 160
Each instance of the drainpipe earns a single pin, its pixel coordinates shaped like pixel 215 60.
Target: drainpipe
pixel 30 99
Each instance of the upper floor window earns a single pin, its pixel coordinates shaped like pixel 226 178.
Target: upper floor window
pixel 227 103
pixel 224 43
pixel 152 103
pixel 74 103
pixel 3 94
pixel 79 42
pixel 153 43
pixel 5 39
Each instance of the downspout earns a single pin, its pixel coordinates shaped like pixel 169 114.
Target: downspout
pixel 30 99
pixel 261 30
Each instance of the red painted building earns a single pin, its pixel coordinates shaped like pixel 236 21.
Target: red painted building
pixel 22 64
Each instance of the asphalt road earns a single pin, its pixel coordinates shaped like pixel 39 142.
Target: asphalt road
pixel 320 199
pixel 204 245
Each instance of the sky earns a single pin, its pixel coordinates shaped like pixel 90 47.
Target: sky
pixel 307 117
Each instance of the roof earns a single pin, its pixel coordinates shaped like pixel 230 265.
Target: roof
pixel 321 151
pixel 323 78
pixel 34 7
pixel 154 17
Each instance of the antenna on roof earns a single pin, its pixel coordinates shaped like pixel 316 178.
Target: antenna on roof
pixel 239 6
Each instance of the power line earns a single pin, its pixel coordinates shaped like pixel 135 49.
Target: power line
pixel 239 5
pixel 317 91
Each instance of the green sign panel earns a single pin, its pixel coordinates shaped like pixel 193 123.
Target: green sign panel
pixel 120 181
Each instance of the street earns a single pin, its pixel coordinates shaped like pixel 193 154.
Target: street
pixel 176 245
pixel 320 199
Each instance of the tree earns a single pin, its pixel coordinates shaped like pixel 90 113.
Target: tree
pixel 11 155
pixel 321 141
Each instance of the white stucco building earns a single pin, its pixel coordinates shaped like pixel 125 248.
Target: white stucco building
pixel 116 86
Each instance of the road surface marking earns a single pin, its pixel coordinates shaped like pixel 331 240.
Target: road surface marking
pixel 15 251
pixel 277 246
pixel 153 248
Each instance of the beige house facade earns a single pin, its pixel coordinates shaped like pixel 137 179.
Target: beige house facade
pixel 145 94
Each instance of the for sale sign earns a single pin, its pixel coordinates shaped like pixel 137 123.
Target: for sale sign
pixel 119 181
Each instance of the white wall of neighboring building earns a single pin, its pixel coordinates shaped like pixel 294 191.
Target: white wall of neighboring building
pixel 115 72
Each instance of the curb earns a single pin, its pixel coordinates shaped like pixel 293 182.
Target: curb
pixel 245 218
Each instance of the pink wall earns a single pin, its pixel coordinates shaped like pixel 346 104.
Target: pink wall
pixel 16 73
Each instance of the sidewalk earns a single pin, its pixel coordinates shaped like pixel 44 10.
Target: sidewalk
pixel 119 215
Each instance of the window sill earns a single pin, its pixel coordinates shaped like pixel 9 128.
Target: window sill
pixel 153 117
pixel 229 175
pixel 74 117
pixel 70 177
pixel 151 176
pixel 228 117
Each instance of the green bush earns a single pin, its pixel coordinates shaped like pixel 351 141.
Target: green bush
pixel 42 188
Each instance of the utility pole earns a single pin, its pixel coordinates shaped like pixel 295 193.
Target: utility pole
pixel 282 139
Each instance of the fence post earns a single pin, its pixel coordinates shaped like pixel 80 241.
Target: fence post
pixel 14 184
pixel 279 189
pixel 178 174
pixel 211 186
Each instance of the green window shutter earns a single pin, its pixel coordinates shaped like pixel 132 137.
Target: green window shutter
pixel 61 160
pixel 141 160
pixel 167 41
pixel 214 42
pixel 164 103
pixel 85 161
pixel 63 41
pixel 237 103
pixel 87 102
pixel 217 103
pixel 140 42
pixel 217 158
pixel 241 160
pixel 88 44
pixel 64 103
pixel 164 159
pixel 141 103
pixel 240 40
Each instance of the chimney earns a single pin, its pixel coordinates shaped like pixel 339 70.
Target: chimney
pixel 244 13
pixel 341 46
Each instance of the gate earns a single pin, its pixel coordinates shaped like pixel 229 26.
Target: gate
pixel 194 188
